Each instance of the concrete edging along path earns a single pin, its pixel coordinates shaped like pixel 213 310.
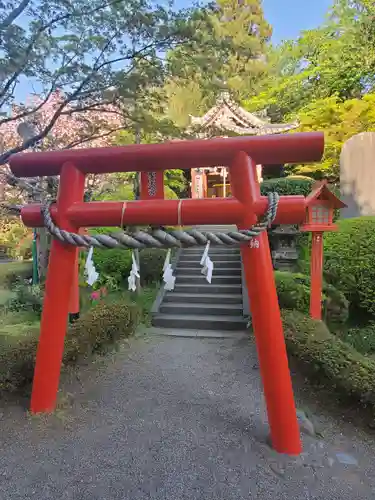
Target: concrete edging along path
pixel 174 418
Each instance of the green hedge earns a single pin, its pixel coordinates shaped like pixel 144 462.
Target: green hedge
pixel 349 261
pixel 151 265
pixel 288 186
pixel 293 291
pixel 330 359
pixel 101 327
pixel 114 263
pixel 361 338
pixel 118 263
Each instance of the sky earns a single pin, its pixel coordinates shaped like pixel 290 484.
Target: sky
pixel 289 17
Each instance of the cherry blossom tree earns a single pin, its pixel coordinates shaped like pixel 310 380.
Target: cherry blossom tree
pixel 90 128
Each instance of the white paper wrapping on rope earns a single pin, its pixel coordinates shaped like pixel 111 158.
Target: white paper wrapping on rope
pixel 134 274
pixel 208 265
pixel 90 270
pixel 168 277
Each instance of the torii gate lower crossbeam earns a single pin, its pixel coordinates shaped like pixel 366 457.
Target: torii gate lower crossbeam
pixel 244 209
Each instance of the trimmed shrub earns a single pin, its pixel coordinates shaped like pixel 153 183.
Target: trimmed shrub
pixel 293 291
pixel 328 358
pixel 94 332
pixel 114 263
pixel 102 326
pixel 151 265
pixel 17 358
pixel 117 264
pixel 293 185
pixel 349 261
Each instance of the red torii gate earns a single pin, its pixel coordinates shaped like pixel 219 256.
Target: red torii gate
pixel 240 154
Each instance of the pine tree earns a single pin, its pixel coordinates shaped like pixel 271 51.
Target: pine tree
pixel 226 52
pixel 245 32
pixel 229 45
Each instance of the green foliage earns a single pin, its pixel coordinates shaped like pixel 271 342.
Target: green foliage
pixel 114 263
pixel 15 237
pixel 325 79
pixel 117 264
pixel 329 359
pixel 226 51
pixel 151 265
pixel 121 187
pixel 119 49
pixel 95 332
pixel 361 338
pixel 17 359
pixel 26 298
pixel 12 272
pixel 102 326
pixel 340 120
pixel 293 185
pixel 349 262
pixel 293 291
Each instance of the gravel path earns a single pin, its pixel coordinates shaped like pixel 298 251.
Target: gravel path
pixel 174 419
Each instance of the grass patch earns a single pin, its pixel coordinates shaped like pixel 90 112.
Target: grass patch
pixel 5 295
pixel 11 271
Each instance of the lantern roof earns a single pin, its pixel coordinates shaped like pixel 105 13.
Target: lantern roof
pixel 323 193
pixel 227 116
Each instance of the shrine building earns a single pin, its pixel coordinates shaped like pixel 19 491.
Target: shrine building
pixel 227 119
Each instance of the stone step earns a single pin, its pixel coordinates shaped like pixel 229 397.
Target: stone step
pixel 215 258
pixel 219 250
pixel 218 271
pixel 206 288
pixel 203 298
pixel 232 264
pixel 197 279
pixel 202 334
pixel 194 308
pixel 206 322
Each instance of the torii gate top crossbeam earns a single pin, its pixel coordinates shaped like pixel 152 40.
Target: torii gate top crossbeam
pixel 270 150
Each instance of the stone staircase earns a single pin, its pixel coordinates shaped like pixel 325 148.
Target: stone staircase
pixel 198 305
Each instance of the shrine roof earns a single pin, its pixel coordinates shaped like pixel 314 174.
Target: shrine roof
pixel 325 194
pixel 226 115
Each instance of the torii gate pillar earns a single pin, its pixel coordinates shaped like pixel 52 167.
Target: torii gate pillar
pixel 265 314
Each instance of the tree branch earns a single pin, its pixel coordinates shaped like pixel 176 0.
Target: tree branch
pixel 78 142
pixel 12 180
pixel 37 35
pixel 12 16
pixel 11 209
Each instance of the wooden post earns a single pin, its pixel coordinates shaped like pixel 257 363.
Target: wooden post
pixel 316 272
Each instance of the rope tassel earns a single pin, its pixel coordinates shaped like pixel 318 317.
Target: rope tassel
pixel 159 238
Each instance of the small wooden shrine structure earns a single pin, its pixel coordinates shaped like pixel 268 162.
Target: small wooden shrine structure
pixel 228 119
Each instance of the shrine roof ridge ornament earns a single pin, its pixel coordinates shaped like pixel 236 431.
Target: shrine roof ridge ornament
pixel 226 115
